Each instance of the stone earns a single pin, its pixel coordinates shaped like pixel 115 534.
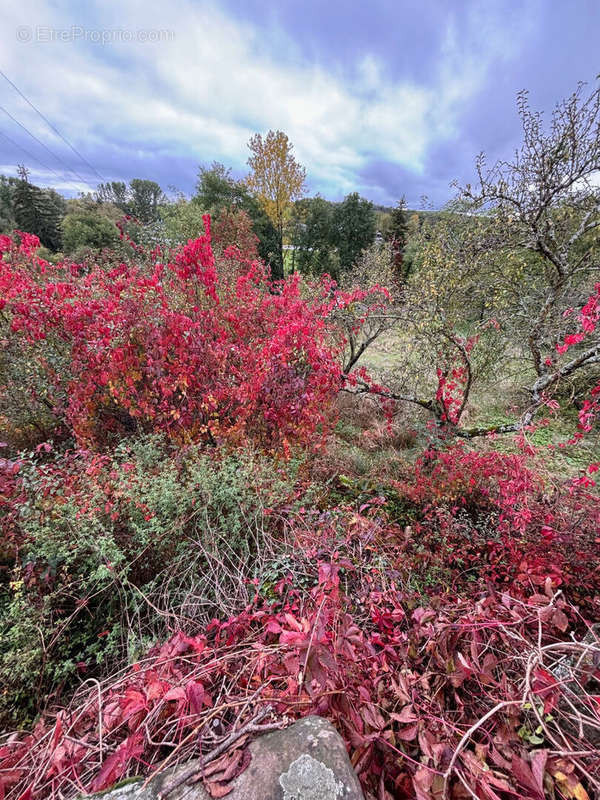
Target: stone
pixel 307 761
pixel 574 673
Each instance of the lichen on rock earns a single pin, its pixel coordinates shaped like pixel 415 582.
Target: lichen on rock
pixel 309 779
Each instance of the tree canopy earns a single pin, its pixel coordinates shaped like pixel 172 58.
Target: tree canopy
pixel 353 226
pixel 276 178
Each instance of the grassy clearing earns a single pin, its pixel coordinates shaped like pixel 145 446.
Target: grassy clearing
pixel 492 403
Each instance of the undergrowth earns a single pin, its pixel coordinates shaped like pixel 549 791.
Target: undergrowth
pixel 105 546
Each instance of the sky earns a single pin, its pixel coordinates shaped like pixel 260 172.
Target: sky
pixel 385 97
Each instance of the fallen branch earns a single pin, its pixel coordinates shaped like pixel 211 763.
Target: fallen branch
pixel 195 769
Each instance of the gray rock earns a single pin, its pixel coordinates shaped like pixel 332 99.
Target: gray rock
pixel 307 761
pixel 574 672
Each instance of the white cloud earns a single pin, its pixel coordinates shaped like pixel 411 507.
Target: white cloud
pixel 204 93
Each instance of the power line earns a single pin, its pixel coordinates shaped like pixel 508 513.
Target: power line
pixel 47 149
pixel 56 131
pixel 35 158
pixel 29 155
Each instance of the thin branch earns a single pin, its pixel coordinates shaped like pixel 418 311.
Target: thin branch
pixel 195 769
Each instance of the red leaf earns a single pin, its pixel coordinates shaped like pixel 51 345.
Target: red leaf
pixel 560 620
pixel 293 638
pixel 273 626
pixel 522 772
pixel 117 764
pixel 177 693
pixel 57 733
pixel 197 697
pixel 408 733
pixel 538 767
pixel 219 789
pixel 133 702
pixel 406 715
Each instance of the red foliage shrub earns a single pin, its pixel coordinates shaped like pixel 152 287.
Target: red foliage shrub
pixel 489 515
pixel 175 347
pixel 587 322
pixel 233 228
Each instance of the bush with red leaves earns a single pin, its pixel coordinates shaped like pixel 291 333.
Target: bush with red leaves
pixel 490 517
pixel 443 624
pixel 178 347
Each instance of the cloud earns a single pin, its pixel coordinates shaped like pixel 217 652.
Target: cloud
pixel 207 78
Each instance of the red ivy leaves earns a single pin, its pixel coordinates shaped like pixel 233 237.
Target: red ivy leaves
pixel 401 686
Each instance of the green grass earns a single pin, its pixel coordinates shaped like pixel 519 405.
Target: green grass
pixel 490 406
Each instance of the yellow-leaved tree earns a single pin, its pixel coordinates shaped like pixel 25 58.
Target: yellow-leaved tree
pixel 276 179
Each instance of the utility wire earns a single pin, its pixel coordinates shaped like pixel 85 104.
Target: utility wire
pixel 56 131
pixel 29 155
pixel 35 158
pixel 47 149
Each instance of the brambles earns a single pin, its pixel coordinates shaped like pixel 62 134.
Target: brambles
pixel 105 553
pixel 453 572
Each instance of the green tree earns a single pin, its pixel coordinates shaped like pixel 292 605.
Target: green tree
pixel 142 198
pixel 38 211
pixel 216 188
pixel 399 225
pixel 90 202
pixel 182 221
pixel 114 192
pixel 7 213
pixel 88 229
pixel 398 235
pixel 146 198
pixel 311 227
pixel 353 228
pixel 54 209
pixel 383 222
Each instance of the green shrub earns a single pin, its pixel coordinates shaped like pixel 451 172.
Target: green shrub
pixel 117 550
